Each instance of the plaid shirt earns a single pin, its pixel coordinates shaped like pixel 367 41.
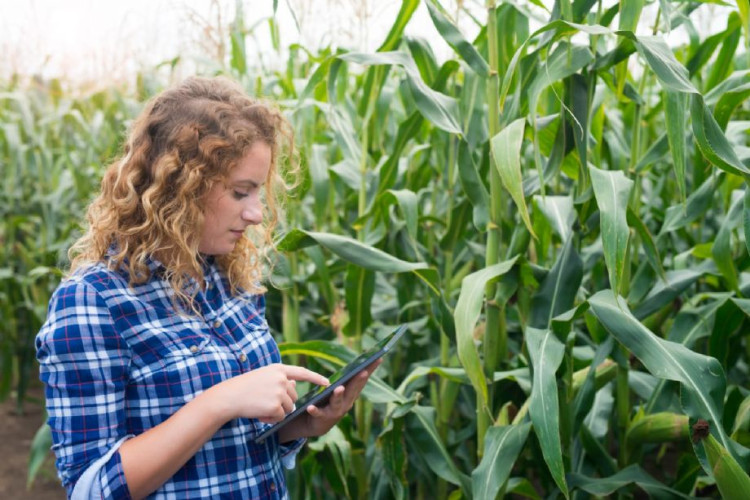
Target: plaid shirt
pixel 117 361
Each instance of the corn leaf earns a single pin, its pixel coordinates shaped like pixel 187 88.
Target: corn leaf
pixel 649 245
pixel 359 286
pixel 407 202
pixel 438 108
pixel 506 151
pixel 40 449
pixel 422 431
pixel 348 249
pixel 671 74
pixel 585 397
pixel 468 308
pixel 712 141
pixel 472 184
pixel 675 107
pixel 727 95
pixel 455 39
pixel 722 250
pixel 612 190
pixel 502 444
pixel 559 213
pixel 701 377
pixel 557 292
pixel 632 474
pixel 546 353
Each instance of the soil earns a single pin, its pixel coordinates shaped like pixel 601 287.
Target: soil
pixel 16 432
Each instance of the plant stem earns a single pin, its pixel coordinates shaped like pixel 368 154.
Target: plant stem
pixel 495 341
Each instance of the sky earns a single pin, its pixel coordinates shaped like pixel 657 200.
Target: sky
pixel 105 40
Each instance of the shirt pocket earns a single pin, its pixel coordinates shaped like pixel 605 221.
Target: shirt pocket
pixel 166 354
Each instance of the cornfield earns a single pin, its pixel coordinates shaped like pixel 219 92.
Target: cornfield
pixel 560 212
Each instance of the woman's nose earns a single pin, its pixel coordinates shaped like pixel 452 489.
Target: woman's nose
pixel 253 211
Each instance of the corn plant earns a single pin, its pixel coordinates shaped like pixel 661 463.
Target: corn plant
pixel 558 211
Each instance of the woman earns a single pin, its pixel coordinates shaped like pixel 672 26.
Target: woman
pixel 157 360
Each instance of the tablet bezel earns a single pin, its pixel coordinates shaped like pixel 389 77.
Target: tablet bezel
pixel 350 370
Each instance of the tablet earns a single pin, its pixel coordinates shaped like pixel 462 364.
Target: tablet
pixel 319 396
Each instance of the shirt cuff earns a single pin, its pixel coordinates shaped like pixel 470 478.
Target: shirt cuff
pixel 103 479
pixel 289 451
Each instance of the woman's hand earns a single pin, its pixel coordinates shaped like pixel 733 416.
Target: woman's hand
pixel 267 393
pixel 319 420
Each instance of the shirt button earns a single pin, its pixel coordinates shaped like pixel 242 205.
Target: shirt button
pixel 217 323
pixel 243 357
pixel 193 349
pixel 273 486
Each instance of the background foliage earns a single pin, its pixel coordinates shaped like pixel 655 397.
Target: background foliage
pixel 559 212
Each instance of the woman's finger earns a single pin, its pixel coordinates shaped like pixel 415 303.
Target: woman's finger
pixel 291 389
pixel 303 374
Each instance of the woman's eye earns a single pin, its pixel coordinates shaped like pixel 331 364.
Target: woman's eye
pixel 239 195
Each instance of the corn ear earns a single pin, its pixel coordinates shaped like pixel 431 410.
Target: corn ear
pixel 658 428
pixel 605 373
pixel 732 481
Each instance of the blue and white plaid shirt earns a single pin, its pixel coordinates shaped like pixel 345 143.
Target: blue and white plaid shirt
pixel 117 361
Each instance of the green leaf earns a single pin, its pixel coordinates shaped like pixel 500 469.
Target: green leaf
pixel 675 107
pixel 701 377
pixel 722 250
pixel 401 20
pixel 422 431
pixel 360 289
pixel 746 217
pixel 727 95
pixel 671 74
pixel 406 131
pixel 546 353
pixel 40 449
pixel 472 184
pixel 649 245
pixel 455 39
pixel 468 308
pixel 341 450
pixel 506 151
pixel 612 190
pixel 632 474
pixel 558 290
pixel 320 182
pixel 407 202
pixel 393 445
pixel 559 213
pixel 350 250
pixel 438 108
pixel 666 291
pixel 711 140
pixel 743 7
pixel 630 13
pixel 679 216
pixel 502 446
pixel 563 62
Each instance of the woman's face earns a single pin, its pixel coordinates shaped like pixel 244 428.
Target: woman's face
pixel 233 206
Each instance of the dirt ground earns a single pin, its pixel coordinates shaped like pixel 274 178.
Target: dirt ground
pixel 16 433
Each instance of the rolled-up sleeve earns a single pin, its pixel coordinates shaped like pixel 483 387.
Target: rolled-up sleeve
pixel 84 366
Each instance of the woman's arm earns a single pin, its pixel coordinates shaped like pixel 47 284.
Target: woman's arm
pixel 268 393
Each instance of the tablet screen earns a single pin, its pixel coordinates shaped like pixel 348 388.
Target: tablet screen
pixel 319 395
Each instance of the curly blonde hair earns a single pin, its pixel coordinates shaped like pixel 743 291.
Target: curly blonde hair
pixel 187 139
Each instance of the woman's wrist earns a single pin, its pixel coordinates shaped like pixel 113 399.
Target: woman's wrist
pixel 216 406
